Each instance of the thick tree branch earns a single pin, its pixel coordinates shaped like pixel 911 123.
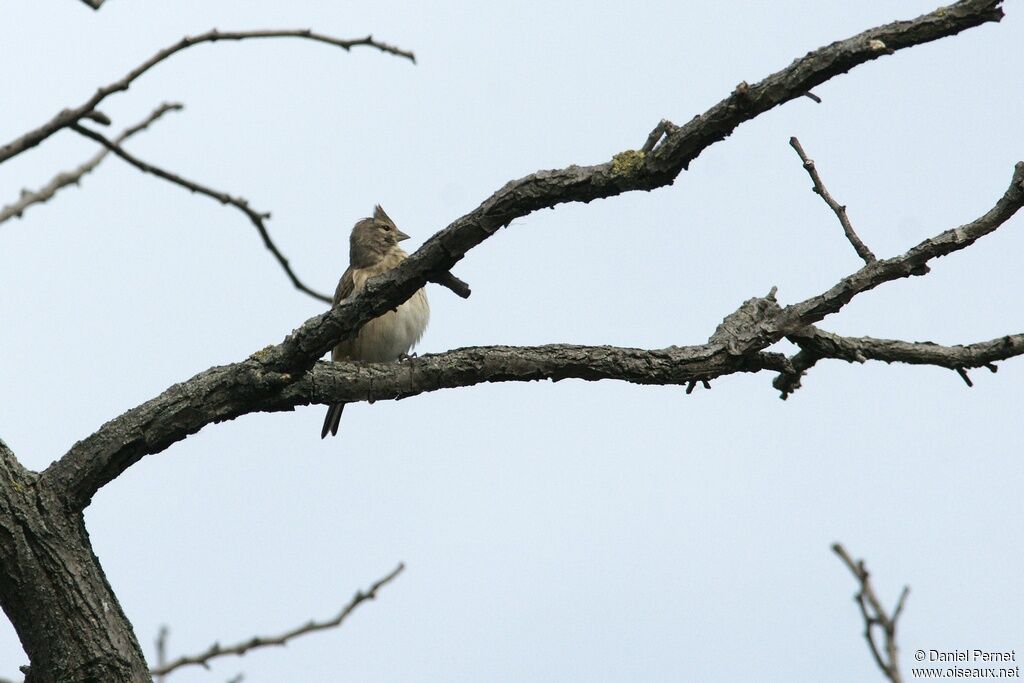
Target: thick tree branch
pixel 72 177
pixel 816 344
pixel 51 585
pixel 255 217
pixel 217 650
pixel 810 71
pixel 837 208
pixel 226 392
pixel 262 382
pixel 68 117
pixel 875 616
pixel 627 171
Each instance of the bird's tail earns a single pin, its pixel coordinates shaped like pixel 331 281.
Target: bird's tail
pixel 332 420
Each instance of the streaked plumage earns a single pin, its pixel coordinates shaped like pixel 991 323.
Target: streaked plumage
pixel 373 249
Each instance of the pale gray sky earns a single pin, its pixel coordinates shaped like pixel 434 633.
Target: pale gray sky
pixel 570 531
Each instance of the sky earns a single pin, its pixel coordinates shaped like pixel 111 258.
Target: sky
pixel 551 532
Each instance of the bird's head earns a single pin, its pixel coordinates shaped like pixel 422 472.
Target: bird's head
pixel 373 238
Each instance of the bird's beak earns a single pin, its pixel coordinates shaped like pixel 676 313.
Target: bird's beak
pixel 399 235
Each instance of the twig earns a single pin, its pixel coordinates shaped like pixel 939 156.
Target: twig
pixel 255 217
pixel 446 279
pixel 816 344
pixel 874 615
pixel 161 650
pixel 72 177
pixel 216 650
pixel 836 207
pixel 664 127
pixel 788 382
pixel 67 117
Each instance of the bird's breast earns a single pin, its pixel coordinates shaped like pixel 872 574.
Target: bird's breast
pixel 390 336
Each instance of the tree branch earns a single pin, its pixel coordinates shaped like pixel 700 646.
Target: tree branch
pixel 796 317
pixel 261 383
pixel 445 279
pixel 72 177
pixel 216 650
pixel 627 171
pixel 810 71
pixel 874 615
pixel 255 217
pixel 817 344
pixel 837 208
pixel 226 392
pixel 161 653
pixel 267 379
pixel 68 117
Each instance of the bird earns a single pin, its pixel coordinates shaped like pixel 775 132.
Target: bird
pixel 373 250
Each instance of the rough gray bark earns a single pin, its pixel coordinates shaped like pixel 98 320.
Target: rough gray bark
pixel 816 344
pixel 51 585
pixel 283 376
pixel 53 589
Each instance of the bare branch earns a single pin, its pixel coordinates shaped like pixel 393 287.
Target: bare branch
pixel 449 281
pixel 445 278
pixel 816 344
pixel 255 217
pixel 789 382
pixel 810 71
pixel 226 392
pixel 161 651
pixel 875 615
pixel 68 117
pixel 268 379
pixel 217 650
pixel 664 126
pixel 839 210
pixel 276 378
pixel 318 334
pixel 796 317
pixel 627 171
pixel 72 177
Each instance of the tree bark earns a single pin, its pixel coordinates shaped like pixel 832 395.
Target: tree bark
pixel 53 589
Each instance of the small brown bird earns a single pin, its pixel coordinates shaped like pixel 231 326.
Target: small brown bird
pixel 373 249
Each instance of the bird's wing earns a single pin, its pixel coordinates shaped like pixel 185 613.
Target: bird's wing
pixel 346 286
